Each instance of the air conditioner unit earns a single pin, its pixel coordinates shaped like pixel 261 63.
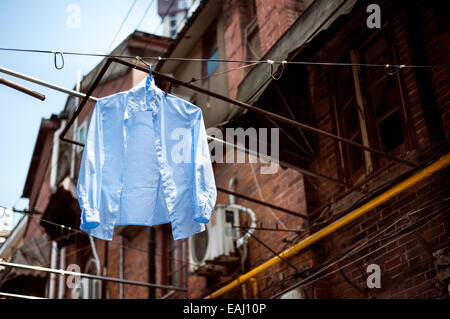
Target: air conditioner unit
pixel 88 289
pixel 296 293
pixel 218 242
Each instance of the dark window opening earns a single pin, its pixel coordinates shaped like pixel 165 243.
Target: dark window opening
pixel 210 51
pixel 347 115
pixel 384 93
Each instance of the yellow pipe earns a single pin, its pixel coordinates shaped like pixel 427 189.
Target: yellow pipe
pixel 255 288
pixel 443 162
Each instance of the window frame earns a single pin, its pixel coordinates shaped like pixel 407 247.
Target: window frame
pixel 372 122
pixel 209 49
pixel 369 128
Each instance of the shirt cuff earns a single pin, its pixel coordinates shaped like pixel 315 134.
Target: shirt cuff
pixel 204 209
pixel 90 218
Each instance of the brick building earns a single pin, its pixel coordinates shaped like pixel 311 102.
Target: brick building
pixel 403 112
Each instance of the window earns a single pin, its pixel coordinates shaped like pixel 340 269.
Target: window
pixel 210 52
pixel 348 122
pixel 384 94
pixel 369 106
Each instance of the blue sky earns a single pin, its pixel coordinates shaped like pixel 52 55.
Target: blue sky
pixel 44 25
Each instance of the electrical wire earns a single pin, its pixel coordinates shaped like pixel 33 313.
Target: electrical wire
pixel 367 242
pixel 33 215
pixel 121 25
pixel 270 62
pixel 145 14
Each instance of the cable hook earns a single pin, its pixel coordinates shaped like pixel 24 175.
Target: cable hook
pixel 396 68
pixel 55 53
pixel 280 74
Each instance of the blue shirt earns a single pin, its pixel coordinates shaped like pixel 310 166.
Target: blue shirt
pixel 146 161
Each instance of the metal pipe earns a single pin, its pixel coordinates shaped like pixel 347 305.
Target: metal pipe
pixel 264 112
pixel 54 255
pixel 121 267
pixel 22 89
pixel 83 275
pixel 62 265
pixel 94 253
pixel 151 261
pixel 5 294
pixel 255 287
pixel 443 162
pixel 44 83
pixel 231 184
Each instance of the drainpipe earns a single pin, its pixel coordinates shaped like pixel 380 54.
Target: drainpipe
pixel 255 288
pixel 231 184
pixel 54 256
pixel 151 261
pixel 62 265
pixel 94 253
pixel 121 266
pixel 242 249
pixel 442 163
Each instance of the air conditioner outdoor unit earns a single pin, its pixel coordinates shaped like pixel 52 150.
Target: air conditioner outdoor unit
pixel 218 240
pixel 296 293
pixel 88 289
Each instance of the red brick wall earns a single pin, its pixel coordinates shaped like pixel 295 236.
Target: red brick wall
pixel 40 190
pixel 275 17
pixel 407 268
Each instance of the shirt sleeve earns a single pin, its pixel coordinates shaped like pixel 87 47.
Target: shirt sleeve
pixel 90 174
pixel 205 192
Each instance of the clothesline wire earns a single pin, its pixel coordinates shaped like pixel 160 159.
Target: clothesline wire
pixel 33 216
pixel 271 62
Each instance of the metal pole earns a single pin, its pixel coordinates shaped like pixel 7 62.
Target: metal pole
pixel 79 94
pixel 5 294
pixel 267 113
pixel 22 89
pixel 44 83
pixel 83 102
pixel 261 202
pixel 52 283
pixel 62 265
pixel 121 267
pixel 83 275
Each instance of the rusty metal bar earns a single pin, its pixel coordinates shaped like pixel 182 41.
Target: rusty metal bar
pixel 83 103
pixel 84 275
pixel 286 105
pixel 266 113
pixel 250 199
pixel 22 89
pixel 102 73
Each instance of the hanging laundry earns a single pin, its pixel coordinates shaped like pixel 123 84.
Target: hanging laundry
pixel 146 162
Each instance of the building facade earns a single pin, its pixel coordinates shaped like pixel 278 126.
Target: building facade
pixel 400 112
